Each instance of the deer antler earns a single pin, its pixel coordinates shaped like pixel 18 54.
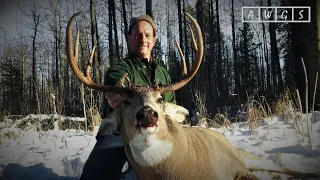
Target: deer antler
pixel 198 58
pixel 73 61
pixel 87 80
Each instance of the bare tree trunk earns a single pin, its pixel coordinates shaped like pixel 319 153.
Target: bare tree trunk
pixel 266 57
pixel 30 94
pixel 125 21
pixel 269 89
pixel 172 60
pixel 318 28
pixel 56 27
pixel 111 46
pixel 34 60
pixel 56 76
pixel 192 85
pixel 206 85
pixel 317 13
pixel 116 41
pixel 23 57
pixel 262 70
pixel 186 37
pixel 168 29
pixel 185 90
pixel 235 57
pixel 149 8
pixel 67 87
pixel 59 52
pixel 180 24
pixel 95 42
pixel 243 73
pixel 219 60
pixel 42 88
pixel 212 95
pixel 275 63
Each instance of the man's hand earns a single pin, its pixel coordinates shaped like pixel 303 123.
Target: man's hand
pixel 113 99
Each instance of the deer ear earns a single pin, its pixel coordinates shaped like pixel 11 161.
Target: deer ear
pixel 176 112
pixel 111 123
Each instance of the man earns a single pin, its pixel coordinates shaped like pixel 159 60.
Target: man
pixel 107 157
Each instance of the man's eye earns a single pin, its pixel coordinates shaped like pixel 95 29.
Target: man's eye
pixel 126 102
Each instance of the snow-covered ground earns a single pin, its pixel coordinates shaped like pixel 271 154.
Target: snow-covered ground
pixel 57 154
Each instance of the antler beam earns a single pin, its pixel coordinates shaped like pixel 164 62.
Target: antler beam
pixel 186 77
pixel 73 61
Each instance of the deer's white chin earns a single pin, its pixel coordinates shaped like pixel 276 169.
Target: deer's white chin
pixel 148 150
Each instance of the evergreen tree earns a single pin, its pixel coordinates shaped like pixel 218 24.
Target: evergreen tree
pixel 247 58
pixel 286 55
pixel 11 82
pixel 157 53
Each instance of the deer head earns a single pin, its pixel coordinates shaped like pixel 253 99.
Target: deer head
pixel 143 110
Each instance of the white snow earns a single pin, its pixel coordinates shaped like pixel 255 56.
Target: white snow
pixel 57 154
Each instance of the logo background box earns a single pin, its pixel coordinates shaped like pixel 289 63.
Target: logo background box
pixel 250 14
pixel 265 12
pixel 304 12
pixel 284 14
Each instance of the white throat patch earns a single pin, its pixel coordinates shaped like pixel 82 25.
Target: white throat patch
pixel 147 150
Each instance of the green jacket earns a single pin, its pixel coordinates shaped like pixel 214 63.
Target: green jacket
pixel 139 73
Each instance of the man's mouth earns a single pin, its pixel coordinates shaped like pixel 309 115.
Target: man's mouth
pixel 143 47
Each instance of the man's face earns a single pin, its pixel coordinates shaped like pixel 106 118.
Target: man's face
pixel 141 39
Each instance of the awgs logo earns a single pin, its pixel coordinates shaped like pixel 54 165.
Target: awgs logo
pixel 276 14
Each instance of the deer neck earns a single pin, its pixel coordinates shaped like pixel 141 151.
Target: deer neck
pixel 150 150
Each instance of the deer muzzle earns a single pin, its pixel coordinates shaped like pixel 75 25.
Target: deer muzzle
pixel 147 120
pixel 147 117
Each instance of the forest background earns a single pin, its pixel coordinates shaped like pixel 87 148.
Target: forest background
pixel 242 61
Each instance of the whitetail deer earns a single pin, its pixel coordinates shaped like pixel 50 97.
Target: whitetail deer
pixel 156 145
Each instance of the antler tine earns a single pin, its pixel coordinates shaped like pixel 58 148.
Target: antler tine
pixel 194 44
pixel 183 61
pixel 195 67
pixel 76 49
pixel 88 68
pixel 121 81
pixel 73 61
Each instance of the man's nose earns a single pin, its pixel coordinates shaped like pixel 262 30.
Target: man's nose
pixel 143 38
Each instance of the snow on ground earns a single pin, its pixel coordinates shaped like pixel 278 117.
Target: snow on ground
pixel 57 154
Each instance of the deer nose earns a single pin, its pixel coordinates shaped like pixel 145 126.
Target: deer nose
pixel 147 115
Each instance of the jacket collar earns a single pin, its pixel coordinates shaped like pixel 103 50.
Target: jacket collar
pixel 134 57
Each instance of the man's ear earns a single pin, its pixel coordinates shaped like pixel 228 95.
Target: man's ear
pixel 176 112
pixel 154 40
pixel 111 123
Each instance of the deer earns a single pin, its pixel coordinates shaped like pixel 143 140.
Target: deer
pixel 156 144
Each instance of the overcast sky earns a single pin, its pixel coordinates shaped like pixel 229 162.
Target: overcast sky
pixel 11 16
pixel 8 17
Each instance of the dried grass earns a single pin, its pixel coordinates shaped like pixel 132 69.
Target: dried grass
pixel 289 108
pixel 286 108
pixel 256 110
pixel 220 120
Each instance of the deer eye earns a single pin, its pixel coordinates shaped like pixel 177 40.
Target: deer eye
pixel 126 102
pixel 159 100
